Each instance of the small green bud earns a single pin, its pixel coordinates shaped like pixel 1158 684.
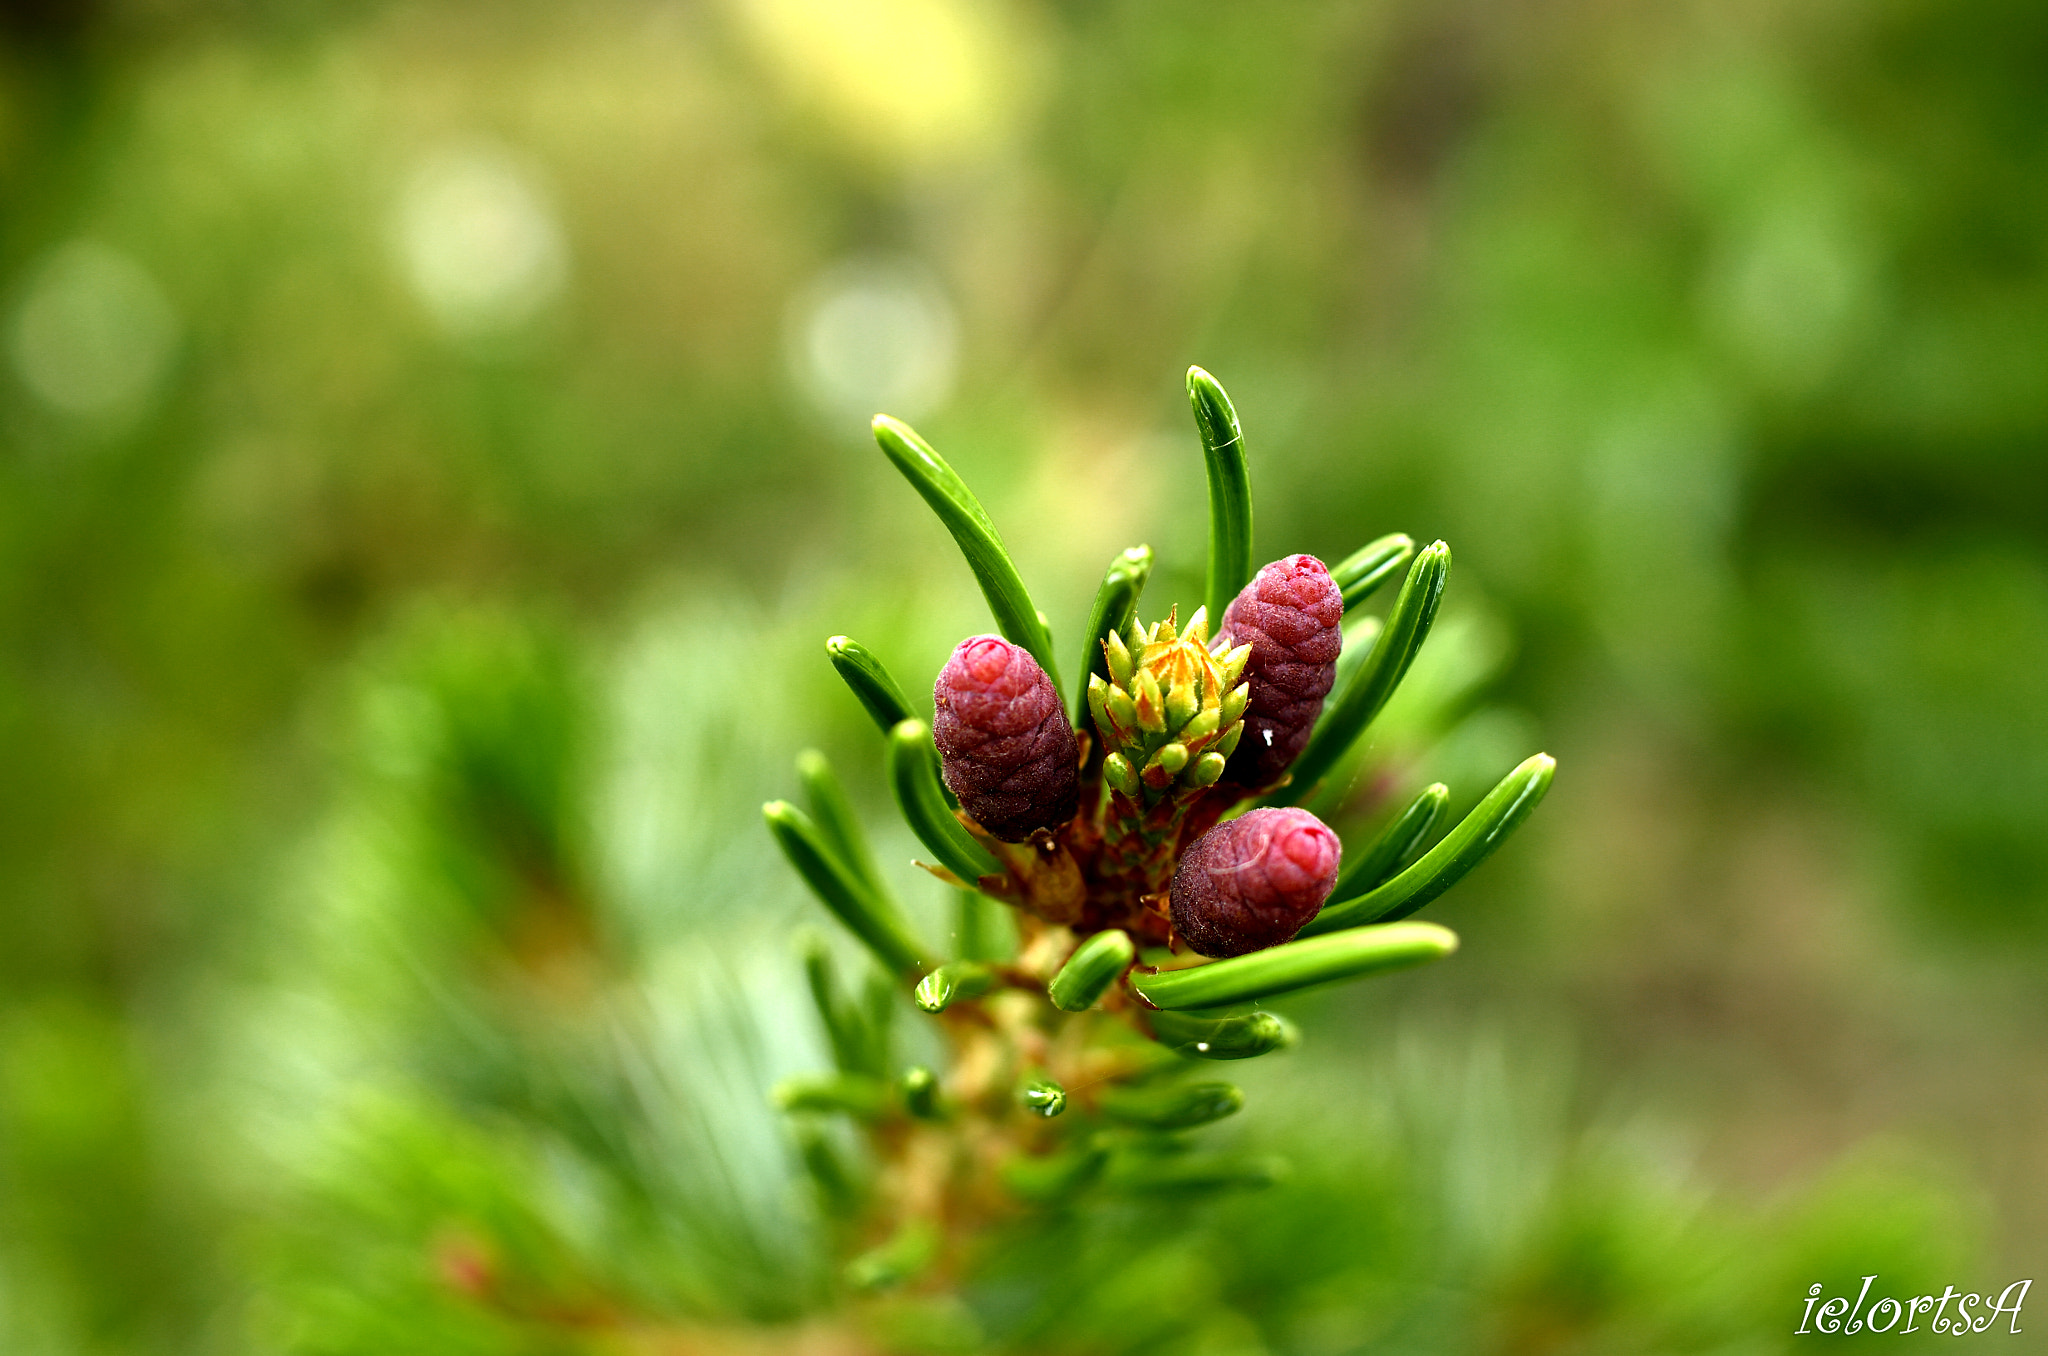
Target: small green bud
pixel 1150 702
pixel 1202 726
pixel 1198 627
pixel 950 983
pixel 1171 757
pixel 1119 656
pixel 1182 701
pixel 1098 697
pixel 1208 769
pixel 1043 1096
pixel 1123 712
pixel 1121 776
pixel 1228 744
pixel 1233 705
pixel 1233 664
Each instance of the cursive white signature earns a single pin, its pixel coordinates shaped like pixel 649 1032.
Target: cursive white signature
pixel 1884 1313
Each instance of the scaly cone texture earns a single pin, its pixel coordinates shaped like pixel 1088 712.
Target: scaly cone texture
pixel 1292 616
pixel 1254 881
pixel 1005 745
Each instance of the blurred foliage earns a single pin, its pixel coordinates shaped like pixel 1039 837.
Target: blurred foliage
pixel 359 922
pixel 501 1148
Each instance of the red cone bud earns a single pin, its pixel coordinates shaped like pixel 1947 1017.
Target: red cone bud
pixel 1292 615
pixel 1006 747
pixel 1254 881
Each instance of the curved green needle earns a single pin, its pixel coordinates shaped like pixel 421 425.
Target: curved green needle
pixel 1008 601
pixel 1230 492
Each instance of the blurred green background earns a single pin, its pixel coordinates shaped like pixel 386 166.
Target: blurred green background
pixel 434 449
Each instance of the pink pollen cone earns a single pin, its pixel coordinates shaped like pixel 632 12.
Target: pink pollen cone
pixel 1254 881
pixel 1292 615
pixel 1006 747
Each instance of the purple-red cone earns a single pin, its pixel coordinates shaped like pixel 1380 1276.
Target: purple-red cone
pixel 1006 747
pixel 1292 615
pixel 1254 881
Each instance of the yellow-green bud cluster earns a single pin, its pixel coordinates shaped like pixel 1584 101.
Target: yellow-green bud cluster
pixel 1170 711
